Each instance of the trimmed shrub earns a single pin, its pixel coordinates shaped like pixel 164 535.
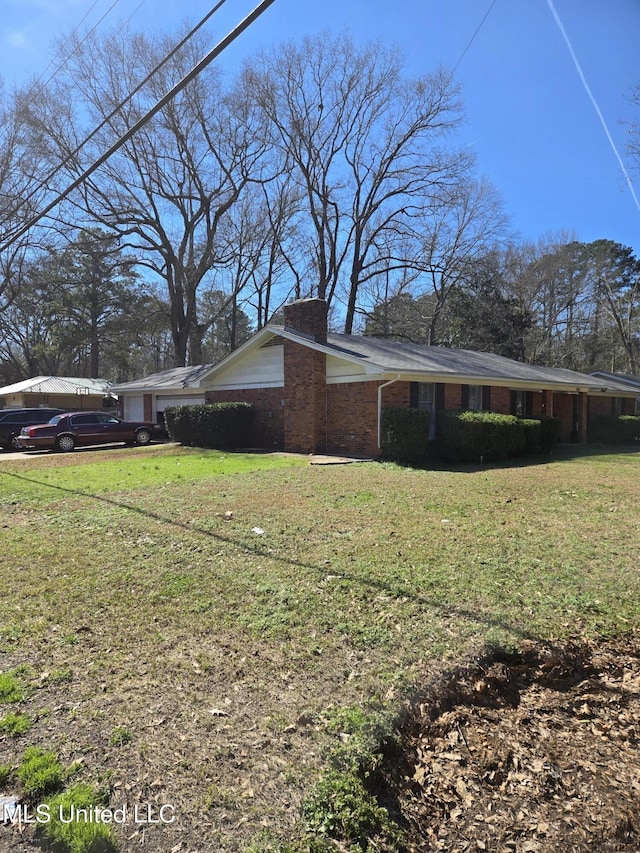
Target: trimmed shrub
pixel 550 429
pixel 540 435
pixel 490 437
pixel 405 435
pixel 220 426
pixel 612 429
pixel 531 430
pixel 479 436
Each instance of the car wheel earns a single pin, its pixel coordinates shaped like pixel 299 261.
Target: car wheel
pixel 65 443
pixel 143 437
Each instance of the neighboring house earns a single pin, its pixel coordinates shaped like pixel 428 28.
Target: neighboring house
pixel 315 392
pixel 58 392
pixel 626 380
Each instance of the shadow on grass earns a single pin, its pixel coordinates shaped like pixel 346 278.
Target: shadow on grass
pixel 561 453
pixel 270 554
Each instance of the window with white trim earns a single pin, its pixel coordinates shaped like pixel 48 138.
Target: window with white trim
pixel 474 403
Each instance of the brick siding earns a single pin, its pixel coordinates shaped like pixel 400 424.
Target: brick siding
pixel 352 415
pixel 268 424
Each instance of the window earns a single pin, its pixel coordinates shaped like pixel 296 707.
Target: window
pixel 472 398
pixel 423 396
pixel 521 404
pixel 474 403
pixel 84 420
pixel 426 396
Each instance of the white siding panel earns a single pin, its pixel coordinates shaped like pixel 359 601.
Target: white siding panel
pixel 260 368
pixel 339 370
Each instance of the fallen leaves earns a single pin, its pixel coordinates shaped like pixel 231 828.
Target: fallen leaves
pixel 533 755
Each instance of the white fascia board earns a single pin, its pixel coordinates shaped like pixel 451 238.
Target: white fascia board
pixel 496 381
pixel 246 386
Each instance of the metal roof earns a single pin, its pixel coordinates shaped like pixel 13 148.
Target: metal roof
pixel 56 385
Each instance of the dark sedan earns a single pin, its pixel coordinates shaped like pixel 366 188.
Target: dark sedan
pixel 68 431
pixel 13 420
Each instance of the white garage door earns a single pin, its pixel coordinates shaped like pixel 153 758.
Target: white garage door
pixel 134 408
pixel 163 403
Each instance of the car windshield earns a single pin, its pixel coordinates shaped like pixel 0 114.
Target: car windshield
pixel 55 419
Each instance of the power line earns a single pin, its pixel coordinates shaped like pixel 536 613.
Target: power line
pixel 89 32
pixel 472 39
pixel 118 107
pixel 197 69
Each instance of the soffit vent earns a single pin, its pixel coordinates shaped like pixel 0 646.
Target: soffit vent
pixel 276 341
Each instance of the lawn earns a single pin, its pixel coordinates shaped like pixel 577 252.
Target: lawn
pixel 183 628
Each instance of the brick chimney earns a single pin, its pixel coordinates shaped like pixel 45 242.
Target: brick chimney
pixel 308 316
pixel 305 382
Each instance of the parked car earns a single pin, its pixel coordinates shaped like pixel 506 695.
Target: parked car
pixel 13 420
pixel 67 431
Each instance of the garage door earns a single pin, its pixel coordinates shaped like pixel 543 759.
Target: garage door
pixel 134 408
pixel 163 403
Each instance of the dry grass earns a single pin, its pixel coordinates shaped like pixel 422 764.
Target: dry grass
pixel 140 596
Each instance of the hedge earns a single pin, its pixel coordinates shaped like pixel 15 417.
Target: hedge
pixel 223 426
pixel 404 435
pixel 490 437
pixel 612 429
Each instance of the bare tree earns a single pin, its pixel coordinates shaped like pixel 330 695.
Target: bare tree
pixel 20 194
pixel 465 227
pixel 168 189
pixel 365 146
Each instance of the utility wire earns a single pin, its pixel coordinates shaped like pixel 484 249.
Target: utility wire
pixel 199 67
pixel 117 108
pixel 472 39
pixel 64 61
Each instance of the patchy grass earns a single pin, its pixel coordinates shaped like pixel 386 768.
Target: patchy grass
pixel 72 823
pixel 39 772
pixel 10 688
pixel 232 653
pixel 15 724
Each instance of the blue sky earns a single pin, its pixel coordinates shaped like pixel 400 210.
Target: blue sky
pixel 529 118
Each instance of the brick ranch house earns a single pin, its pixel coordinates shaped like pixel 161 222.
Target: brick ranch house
pixel 317 392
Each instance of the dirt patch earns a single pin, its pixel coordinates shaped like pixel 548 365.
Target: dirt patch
pixel 529 753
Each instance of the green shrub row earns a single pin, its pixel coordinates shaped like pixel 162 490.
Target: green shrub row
pixel 223 426
pixel 404 435
pixel 612 429
pixel 489 437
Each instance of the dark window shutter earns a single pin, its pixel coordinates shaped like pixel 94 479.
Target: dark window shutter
pixel 465 397
pixel 439 396
pixel 486 398
pixel 514 403
pixel 528 404
pixel 413 395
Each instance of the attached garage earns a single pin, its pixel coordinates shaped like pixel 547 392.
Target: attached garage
pixel 162 403
pixel 147 399
pixel 133 408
